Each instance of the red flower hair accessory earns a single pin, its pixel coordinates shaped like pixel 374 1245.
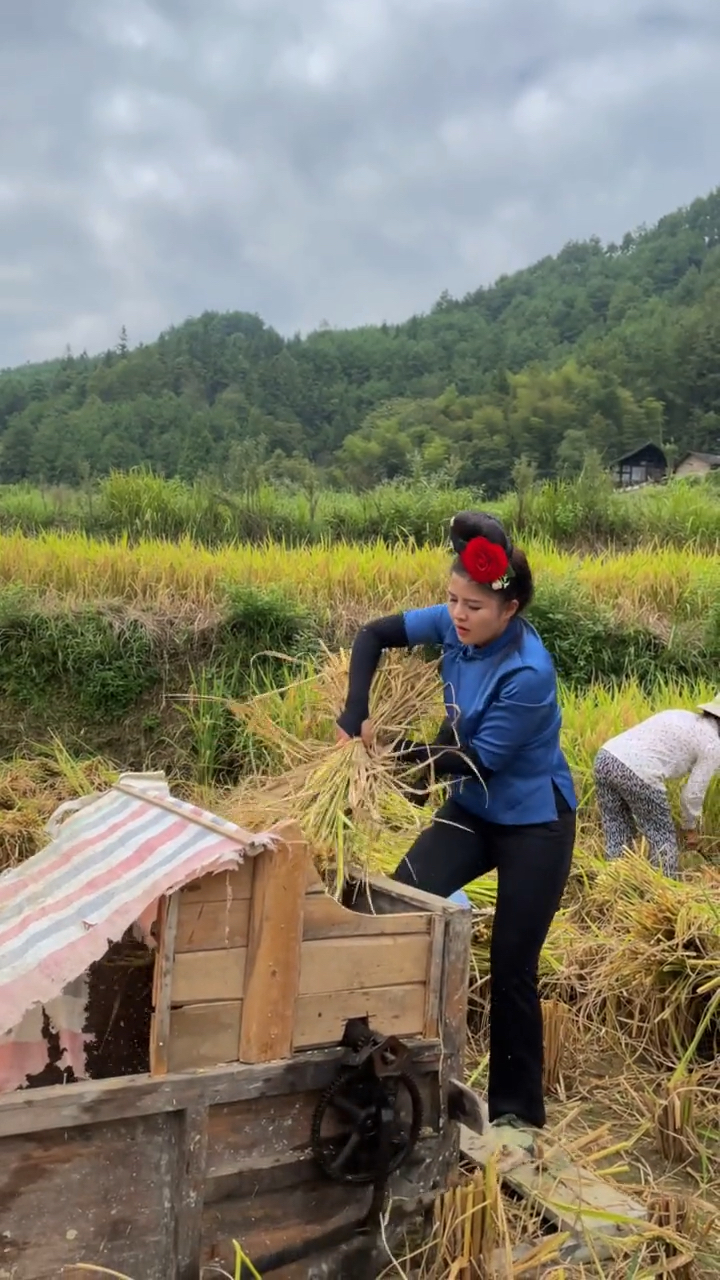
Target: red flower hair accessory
pixel 487 563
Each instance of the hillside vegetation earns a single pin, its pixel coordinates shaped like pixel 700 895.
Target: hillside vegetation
pixel 599 347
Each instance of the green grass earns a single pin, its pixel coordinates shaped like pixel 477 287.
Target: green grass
pixel 580 512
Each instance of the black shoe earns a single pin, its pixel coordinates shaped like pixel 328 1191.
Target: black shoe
pixel 527 1133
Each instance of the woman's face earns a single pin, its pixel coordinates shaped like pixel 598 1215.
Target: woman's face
pixel 477 614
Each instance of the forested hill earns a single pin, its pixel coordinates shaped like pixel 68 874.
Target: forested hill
pixel 600 346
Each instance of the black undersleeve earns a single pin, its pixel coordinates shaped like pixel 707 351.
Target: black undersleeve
pixel 446 761
pixel 447 758
pixel 384 633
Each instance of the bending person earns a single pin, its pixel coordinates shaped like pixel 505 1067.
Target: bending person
pixel 632 769
pixel 512 803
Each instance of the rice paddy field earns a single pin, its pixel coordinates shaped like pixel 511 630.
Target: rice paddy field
pixel 631 969
pixel 344 577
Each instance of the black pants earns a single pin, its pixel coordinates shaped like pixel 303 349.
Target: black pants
pixel 533 863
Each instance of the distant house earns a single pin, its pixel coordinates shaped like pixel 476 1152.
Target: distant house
pixel 698 464
pixel 645 465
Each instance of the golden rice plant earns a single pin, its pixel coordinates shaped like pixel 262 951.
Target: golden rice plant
pixel 32 787
pixel 644 958
pixel 338 577
pixel 344 796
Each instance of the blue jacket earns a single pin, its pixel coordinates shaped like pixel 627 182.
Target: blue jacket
pixel 502 700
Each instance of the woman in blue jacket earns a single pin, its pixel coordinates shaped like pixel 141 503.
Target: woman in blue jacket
pixel 512 803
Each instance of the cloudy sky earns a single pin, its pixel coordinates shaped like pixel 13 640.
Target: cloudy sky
pixel 328 160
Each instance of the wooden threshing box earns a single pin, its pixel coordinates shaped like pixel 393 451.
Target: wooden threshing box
pixel 257 972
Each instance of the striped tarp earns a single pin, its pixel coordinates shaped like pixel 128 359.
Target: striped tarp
pixel 107 864
pixel 49 1036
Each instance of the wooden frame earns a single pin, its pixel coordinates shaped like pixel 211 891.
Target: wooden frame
pixel 262 963
pixel 185 1162
pixel 154 1176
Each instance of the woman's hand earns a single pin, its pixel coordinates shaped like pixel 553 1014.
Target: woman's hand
pixel 367 735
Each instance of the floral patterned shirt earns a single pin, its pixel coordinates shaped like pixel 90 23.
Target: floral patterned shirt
pixel 673 744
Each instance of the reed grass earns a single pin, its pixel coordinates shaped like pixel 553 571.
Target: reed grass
pixel 580 511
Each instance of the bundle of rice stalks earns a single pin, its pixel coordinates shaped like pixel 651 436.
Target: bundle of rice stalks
pixel 293 722
pixel 345 797
pixel 341 800
pixel 647 958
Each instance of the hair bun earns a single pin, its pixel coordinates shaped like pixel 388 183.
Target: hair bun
pixel 467 525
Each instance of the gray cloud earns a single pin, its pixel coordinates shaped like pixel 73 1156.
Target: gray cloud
pixel 342 160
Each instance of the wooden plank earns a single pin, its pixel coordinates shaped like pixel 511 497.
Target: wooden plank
pixel 326 918
pixel 248 845
pixel 258 1170
pixel 326 966
pixel 270 1174
pixel 453 1019
pixel 202 1035
pixel 188 1193
pixel 572 1197
pixel 252 1135
pixel 211 926
pixel 504 1141
pixel 162 984
pixel 256 1137
pixel 329 965
pixel 272 974
pixel 314 884
pixel 386 896
pixel 202 976
pixel 433 988
pixel 225 884
pixel 99 1101
pixel 274 1220
pixel 91 1194
pixel 396 1011
pixel 455 985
